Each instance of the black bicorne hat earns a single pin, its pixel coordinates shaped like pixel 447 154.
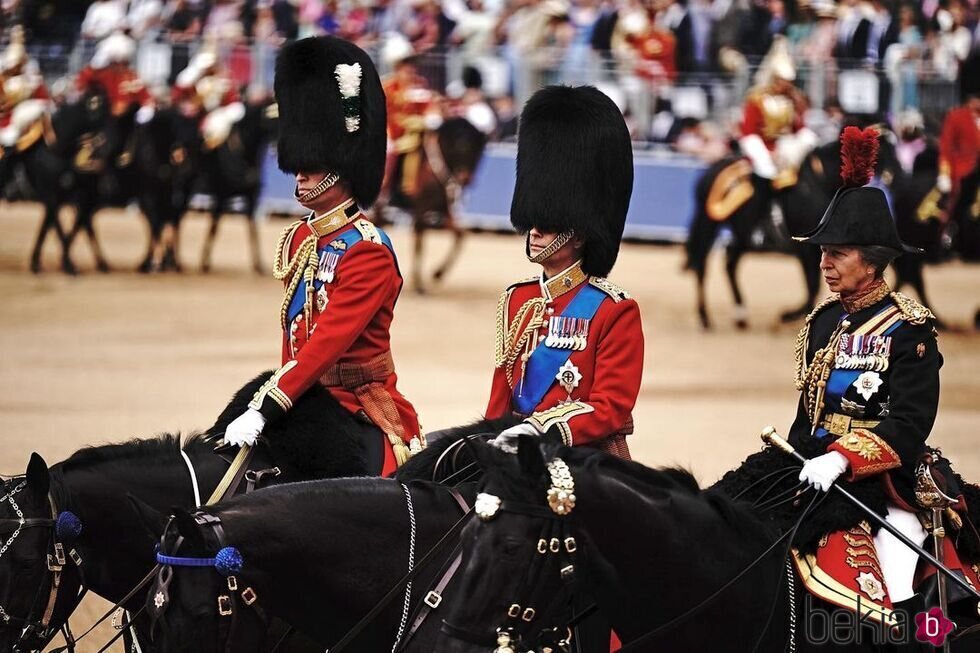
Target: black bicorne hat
pixel 574 170
pixel 858 215
pixel 331 113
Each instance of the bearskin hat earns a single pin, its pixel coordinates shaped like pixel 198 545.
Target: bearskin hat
pixel 331 113
pixel 858 214
pixel 574 170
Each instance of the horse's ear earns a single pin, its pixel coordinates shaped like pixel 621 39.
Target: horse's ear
pixel 187 527
pixel 152 520
pixel 550 443
pixel 529 455
pixel 38 477
pixel 481 451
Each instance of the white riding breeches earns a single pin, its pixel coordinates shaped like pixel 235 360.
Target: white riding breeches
pixel 898 562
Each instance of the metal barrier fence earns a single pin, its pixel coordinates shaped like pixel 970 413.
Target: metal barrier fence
pixel 714 96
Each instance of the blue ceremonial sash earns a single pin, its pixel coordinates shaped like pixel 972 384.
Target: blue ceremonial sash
pixel 839 380
pixel 350 238
pixel 545 361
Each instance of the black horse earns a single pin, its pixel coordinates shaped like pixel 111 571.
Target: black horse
pixel 234 169
pixel 317 439
pixel 47 161
pixel 163 162
pixel 801 206
pixel 447 164
pixel 672 567
pixel 317 555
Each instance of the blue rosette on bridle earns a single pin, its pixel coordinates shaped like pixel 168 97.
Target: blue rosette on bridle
pixel 228 561
pixel 67 527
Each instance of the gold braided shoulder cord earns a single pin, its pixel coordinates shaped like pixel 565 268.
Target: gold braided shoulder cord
pixel 803 341
pixel 302 266
pixel 512 340
pixel 912 311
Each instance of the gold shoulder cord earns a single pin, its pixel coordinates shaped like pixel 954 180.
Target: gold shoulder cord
pixel 812 379
pixel 511 340
pixel 302 266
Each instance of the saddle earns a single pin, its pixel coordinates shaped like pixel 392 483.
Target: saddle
pixel 730 190
pixel 845 570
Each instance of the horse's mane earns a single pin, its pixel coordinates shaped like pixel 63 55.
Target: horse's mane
pixel 164 444
pixel 422 464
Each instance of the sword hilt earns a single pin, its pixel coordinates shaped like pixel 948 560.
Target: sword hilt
pixel 773 439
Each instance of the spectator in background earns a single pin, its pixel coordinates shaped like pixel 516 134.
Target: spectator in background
pixel 853 28
pixel 902 61
pixel 817 53
pixel 144 18
pixel 911 132
pixel 223 13
pixel 472 103
pixel 951 45
pixel 507 117
pixel 103 18
pixel 181 26
pixel 474 29
pixel 959 144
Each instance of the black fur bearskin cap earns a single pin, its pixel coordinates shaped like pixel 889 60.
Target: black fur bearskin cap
pixel 313 129
pixel 574 170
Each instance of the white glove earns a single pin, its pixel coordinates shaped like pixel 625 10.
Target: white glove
pixel 755 149
pixel 507 440
pixel 245 429
pixel 944 184
pixel 822 471
pixel 144 115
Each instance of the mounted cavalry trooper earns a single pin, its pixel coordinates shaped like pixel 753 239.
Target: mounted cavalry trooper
pixel 204 91
pixel 340 271
pixel 774 137
pixel 111 70
pixel 24 99
pixel 868 372
pixel 569 344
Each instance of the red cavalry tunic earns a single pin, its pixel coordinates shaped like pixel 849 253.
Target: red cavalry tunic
pixel 959 144
pixel 771 115
pixel 598 410
pixel 121 84
pixel 33 88
pixel 341 337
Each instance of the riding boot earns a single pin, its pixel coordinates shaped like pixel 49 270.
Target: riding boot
pixel 910 607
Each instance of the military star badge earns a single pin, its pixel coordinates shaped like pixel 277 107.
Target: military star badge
pixel 886 408
pixel 159 600
pixel 867 384
pixel 568 376
pixel 871 586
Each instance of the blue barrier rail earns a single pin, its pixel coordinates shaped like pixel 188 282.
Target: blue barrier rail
pixel 660 209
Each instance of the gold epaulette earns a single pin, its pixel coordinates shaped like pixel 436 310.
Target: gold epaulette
pixel 368 231
pixel 803 339
pixel 912 311
pixel 611 289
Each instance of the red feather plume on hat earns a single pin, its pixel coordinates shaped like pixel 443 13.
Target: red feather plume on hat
pixel 859 154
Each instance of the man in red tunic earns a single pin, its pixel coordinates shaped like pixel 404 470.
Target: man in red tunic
pixel 569 350
pixel 110 69
pixel 959 144
pixel 340 271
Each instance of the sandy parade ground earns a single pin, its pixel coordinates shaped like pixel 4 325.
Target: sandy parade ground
pixel 105 358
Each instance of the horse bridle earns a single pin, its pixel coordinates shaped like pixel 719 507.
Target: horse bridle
pixel 555 544
pixel 227 562
pixel 36 632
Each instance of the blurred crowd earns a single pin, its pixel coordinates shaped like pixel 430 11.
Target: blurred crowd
pixel 679 69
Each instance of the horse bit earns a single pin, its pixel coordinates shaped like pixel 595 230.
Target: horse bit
pixel 65 526
pixel 554 544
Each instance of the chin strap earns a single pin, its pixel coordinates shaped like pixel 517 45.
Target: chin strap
pixel 560 241
pixel 327 182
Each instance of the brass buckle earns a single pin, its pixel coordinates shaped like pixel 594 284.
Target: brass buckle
pixel 52 565
pixel 224 605
pixel 59 553
pixel 433 599
pixel 232 584
pixel 555 545
pixel 77 559
pixel 514 611
pixel 249 596
pixel 570 545
pixel 542 545
pixel 528 615
pixel 839 424
pixel 566 572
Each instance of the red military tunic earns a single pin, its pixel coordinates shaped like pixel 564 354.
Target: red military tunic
pixel 341 337
pixel 771 115
pixel 598 410
pixel 20 87
pixel 407 104
pixel 121 84
pixel 959 144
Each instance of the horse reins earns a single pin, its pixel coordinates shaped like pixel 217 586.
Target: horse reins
pixel 441 171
